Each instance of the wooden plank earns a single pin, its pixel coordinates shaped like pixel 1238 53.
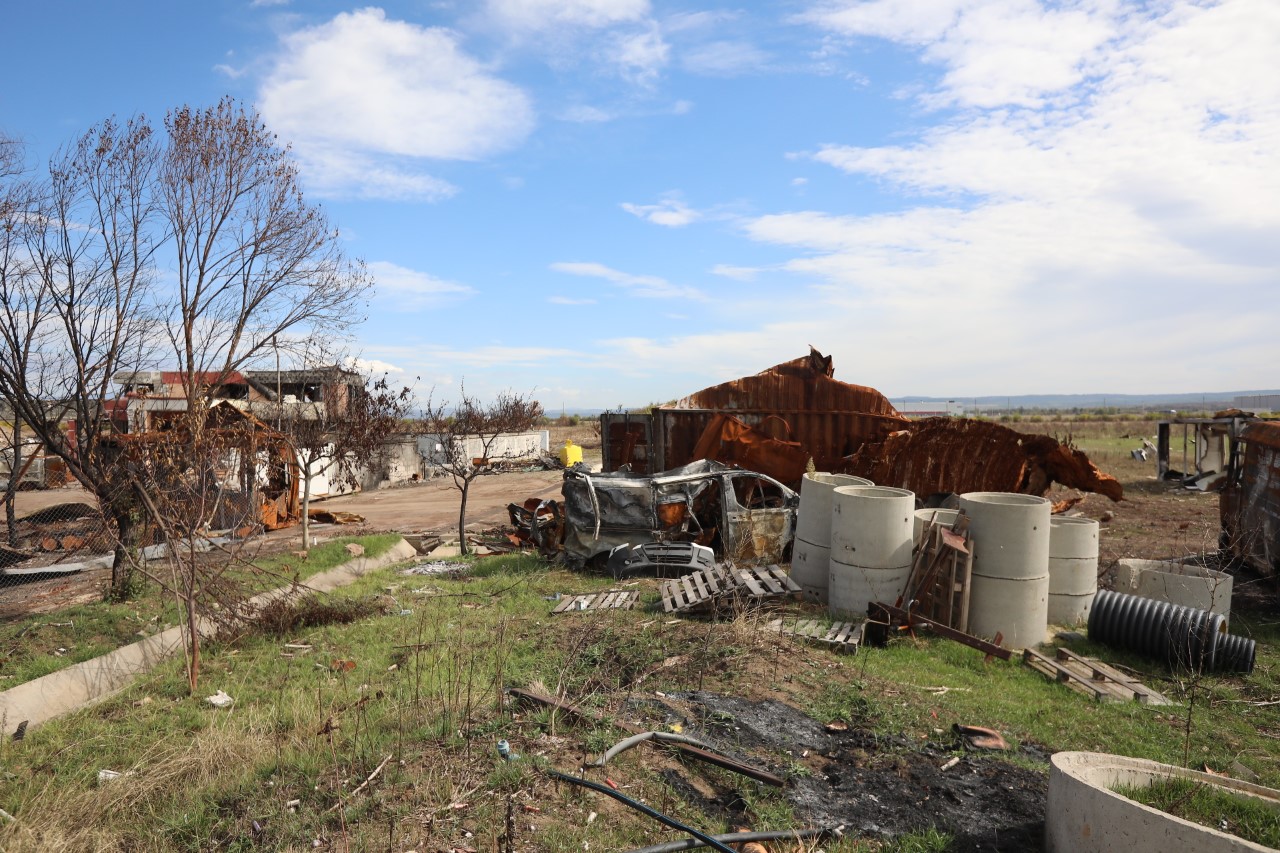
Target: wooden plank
pixel 748 580
pixel 565 601
pixel 890 615
pixel 690 594
pixel 713 580
pixel 700 582
pixel 766 579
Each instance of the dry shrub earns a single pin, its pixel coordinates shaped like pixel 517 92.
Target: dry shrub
pixel 107 815
pixel 285 616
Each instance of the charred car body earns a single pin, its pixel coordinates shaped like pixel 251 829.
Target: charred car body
pixel 633 522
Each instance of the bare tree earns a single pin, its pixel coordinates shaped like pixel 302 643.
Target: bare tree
pixel 76 304
pixel 81 297
pixel 344 433
pixel 471 422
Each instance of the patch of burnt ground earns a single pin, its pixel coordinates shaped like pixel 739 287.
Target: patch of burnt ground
pixel 877 786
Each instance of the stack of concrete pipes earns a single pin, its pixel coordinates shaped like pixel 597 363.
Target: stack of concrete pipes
pixel 1073 569
pixel 1009 591
pixel 870 546
pixel 811 555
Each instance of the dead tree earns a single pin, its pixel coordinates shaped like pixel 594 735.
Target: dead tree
pixel 469 419
pixel 343 433
pixel 77 304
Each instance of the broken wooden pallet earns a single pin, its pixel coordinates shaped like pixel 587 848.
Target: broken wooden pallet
pixel 1093 678
pixel 614 599
pixel 844 637
pixel 715 587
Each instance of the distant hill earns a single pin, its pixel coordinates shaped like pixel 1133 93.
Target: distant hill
pixel 1202 400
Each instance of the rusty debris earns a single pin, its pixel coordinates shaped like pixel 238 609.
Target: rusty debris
pixel 327 516
pixel 780 419
pixel 538 523
pixel 1249 504
pixel 885 619
pixel 980 737
pixel 959 455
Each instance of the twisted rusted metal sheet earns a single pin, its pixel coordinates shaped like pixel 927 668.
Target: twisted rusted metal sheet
pixel 802 385
pixel 958 455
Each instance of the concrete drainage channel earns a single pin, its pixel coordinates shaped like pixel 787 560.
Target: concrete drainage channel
pixel 85 683
pixel 1085 815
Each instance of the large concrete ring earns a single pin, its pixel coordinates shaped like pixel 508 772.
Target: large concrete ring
pixel 1085 815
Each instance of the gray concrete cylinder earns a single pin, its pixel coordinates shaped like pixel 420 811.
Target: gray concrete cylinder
pixel 814 522
pixel 945 517
pixel 810 565
pixel 870 546
pixel 1073 569
pixel 1010 587
pixel 811 554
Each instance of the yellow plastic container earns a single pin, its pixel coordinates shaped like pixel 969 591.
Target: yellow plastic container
pixel 570 454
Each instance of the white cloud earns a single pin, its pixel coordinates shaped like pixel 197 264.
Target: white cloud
pixel 361 87
pixel 640 56
pixel 736 273
pixel 648 286
pixel 229 71
pixel 411 289
pixel 681 108
pixel 371 366
pixel 670 212
pixel 540 15
pixel 724 59
pixel 566 300
pixel 996 52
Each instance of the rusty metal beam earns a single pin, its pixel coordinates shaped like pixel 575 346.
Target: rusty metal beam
pixel 888 614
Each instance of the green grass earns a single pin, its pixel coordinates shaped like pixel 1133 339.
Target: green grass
pixel 47 642
pixel 1244 817
pixel 426 689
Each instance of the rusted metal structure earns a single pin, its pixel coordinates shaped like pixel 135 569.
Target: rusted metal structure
pixel 776 421
pixel 1250 501
pixel 797 402
pixel 958 455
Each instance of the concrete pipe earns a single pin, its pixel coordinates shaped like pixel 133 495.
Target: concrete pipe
pixel 1085 814
pixel 810 566
pixel 1011 532
pixel 1010 588
pixel 870 546
pixel 814 522
pixel 945 517
pixel 1073 569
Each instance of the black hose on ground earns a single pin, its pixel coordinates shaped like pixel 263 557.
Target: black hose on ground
pixel 1180 636
pixel 733 838
pixel 707 840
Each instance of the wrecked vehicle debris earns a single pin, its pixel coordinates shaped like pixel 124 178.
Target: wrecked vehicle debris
pixel 738 514
pixel 539 523
pixel 662 558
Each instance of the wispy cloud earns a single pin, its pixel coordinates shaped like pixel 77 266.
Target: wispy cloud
pixel 737 273
pixel 648 286
pixel 412 289
pixel 671 212
pixel 362 91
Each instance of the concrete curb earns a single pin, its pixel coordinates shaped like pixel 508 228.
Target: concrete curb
pixel 85 683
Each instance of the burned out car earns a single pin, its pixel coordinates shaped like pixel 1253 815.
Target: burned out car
pixel 629 522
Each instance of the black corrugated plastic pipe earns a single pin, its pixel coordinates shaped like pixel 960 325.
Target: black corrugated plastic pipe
pixel 1180 636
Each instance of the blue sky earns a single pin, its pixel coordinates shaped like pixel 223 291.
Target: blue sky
pixel 621 201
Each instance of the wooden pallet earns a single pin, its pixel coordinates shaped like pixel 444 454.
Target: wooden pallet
pixel 843 637
pixel 1093 678
pixel 711 588
pixel 614 599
